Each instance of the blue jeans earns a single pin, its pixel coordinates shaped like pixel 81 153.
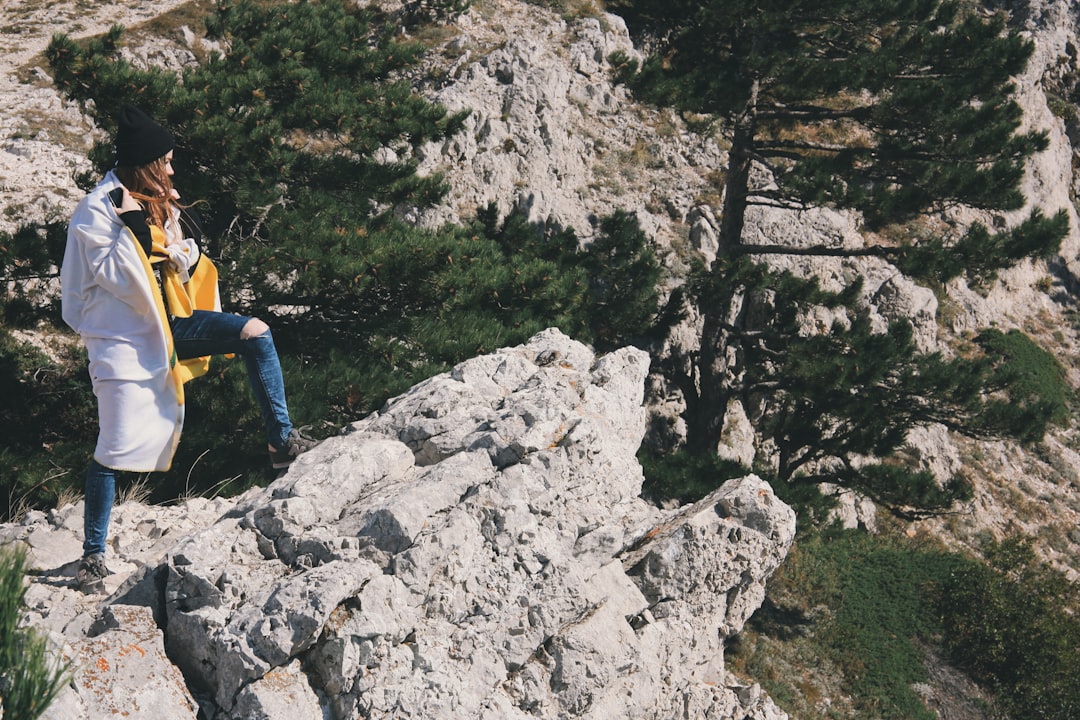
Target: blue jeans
pixel 204 333
pixel 100 493
pixel 216 333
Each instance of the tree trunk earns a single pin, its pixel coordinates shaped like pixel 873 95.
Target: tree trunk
pixel 720 358
pixel 737 177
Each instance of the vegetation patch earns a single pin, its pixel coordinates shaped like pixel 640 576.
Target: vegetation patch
pixel 30 676
pixel 880 609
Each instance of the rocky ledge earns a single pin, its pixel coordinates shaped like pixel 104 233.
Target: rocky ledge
pixel 476 549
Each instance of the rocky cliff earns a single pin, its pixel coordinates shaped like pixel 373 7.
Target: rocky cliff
pixel 476 549
pixel 551 134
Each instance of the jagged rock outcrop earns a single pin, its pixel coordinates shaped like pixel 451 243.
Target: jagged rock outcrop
pixel 551 134
pixel 478 548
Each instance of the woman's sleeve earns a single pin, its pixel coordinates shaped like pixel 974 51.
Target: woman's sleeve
pixel 191 224
pixel 110 255
pixel 136 222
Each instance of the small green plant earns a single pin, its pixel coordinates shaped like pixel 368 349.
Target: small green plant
pixel 1012 624
pixel 436 11
pixel 1061 107
pixel 1035 383
pixel 861 604
pixel 30 676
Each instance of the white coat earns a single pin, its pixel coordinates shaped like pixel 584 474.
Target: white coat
pixel 109 299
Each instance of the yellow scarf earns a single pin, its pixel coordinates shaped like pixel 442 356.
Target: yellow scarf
pixel 199 293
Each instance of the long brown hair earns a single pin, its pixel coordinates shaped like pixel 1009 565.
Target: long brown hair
pixel 151 185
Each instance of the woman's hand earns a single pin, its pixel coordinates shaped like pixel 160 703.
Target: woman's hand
pixel 129 203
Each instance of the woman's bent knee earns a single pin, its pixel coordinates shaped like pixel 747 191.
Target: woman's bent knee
pixel 254 328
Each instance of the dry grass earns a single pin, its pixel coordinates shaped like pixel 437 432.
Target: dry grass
pixel 573 9
pixel 137 492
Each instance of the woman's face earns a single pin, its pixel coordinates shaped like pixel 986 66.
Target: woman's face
pixel 158 187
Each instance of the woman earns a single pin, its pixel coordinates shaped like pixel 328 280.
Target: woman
pixel 145 302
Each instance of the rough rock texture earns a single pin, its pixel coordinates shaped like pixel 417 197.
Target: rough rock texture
pixel 550 134
pixel 476 549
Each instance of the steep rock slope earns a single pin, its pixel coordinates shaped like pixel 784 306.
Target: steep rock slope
pixel 552 135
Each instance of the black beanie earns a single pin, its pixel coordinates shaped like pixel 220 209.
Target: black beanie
pixel 140 140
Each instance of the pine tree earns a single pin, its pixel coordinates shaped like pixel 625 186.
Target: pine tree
pixel 296 143
pixel 48 408
pixel 894 109
pixel 300 142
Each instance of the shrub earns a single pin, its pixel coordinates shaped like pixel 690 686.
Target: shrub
pixel 437 11
pixel 49 423
pixel 867 606
pixel 30 676
pixel 684 476
pixel 1013 624
pixel 877 593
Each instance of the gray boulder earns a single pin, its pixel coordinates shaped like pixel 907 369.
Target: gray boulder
pixel 478 548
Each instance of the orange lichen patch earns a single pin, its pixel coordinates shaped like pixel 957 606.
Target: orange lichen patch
pixel 338 617
pixel 654 532
pixel 278 678
pixel 128 649
pixel 557 437
pixel 102 664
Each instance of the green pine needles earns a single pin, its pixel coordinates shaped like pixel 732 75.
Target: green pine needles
pixel 889 107
pixel 300 143
pixel 893 109
pixel 31 675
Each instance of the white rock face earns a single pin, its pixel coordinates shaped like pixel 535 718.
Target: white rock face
pixel 486 528
pixel 478 549
pixel 551 135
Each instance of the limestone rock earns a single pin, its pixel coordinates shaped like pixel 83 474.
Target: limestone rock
pixel 550 133
pixel 485 527
pixel 123 671
pixel 478 548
